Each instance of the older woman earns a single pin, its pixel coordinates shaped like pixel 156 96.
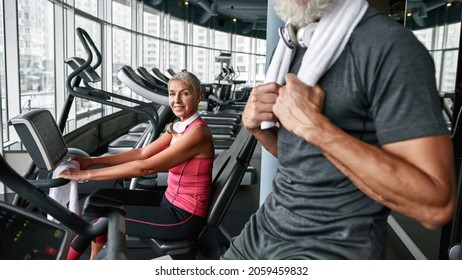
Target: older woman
pixel 186 151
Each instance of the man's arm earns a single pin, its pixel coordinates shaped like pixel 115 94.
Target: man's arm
pixel 259 108
pixel 413 177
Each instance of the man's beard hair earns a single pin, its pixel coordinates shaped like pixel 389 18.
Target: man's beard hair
pixel 301 15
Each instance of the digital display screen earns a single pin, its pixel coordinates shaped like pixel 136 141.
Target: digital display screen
pixel 26 237
pixel 51 139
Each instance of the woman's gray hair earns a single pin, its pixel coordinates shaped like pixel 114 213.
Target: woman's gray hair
pixel 188 78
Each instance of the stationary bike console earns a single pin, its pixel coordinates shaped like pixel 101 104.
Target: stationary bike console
pixel 41 137
pixel 25 236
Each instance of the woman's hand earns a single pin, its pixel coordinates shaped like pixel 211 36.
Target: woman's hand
pixel 74 175
pixel 84 162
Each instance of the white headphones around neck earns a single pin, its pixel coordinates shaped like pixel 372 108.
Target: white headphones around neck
pixel 299 38
pixel 180 126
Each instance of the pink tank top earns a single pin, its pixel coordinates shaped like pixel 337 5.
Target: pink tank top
pixel 189 183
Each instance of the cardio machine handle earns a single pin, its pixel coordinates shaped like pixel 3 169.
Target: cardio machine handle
pixel 86 41
pixel 49 183
pixel 50 206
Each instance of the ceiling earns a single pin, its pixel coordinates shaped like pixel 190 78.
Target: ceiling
pixel 251 15
pixel 247 11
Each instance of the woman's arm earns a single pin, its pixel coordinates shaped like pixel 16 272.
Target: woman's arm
pixel 152 159
pixel 141 153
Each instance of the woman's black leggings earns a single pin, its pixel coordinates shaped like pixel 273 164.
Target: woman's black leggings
pixel 148 214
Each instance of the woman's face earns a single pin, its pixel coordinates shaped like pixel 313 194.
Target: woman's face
pixel 182 99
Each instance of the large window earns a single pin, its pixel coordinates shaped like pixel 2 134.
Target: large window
pixel 88 6
pixel 150 54
pixel 86 110
pixel 260 69
pixel 151 22
pixel 177 58
pixel 120 57
pixel 222 40
pixel 450 58
pixel 199 64
pixel 163 41
pixel 177 30
pixel 121 13
pixel 2 80
pixel 177 52
pixel 243 59
pixel 36 54
pixel 199 61
pixel 200 36
pixel 443 44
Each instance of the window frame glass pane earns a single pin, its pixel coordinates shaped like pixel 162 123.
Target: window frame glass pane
pixel 121 13
pixel 36 55
pixel 3 93
pixel 87 6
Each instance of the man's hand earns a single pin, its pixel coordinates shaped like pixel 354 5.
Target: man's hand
pixel 259 106
pixel 298 105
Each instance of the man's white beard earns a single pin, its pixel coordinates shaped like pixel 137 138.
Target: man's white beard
pixel 301 15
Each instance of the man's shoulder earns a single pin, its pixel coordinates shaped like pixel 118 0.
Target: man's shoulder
pixel 377 27
pixel 379 36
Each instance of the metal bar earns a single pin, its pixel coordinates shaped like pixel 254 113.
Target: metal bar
pixel 407 241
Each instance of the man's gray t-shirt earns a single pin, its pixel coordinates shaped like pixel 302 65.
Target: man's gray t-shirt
pixel 381 90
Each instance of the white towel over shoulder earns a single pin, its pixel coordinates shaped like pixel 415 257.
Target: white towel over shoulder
pixel 69 192
pixel 325 41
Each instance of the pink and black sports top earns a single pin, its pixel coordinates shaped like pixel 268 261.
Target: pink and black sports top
pixel 189 183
